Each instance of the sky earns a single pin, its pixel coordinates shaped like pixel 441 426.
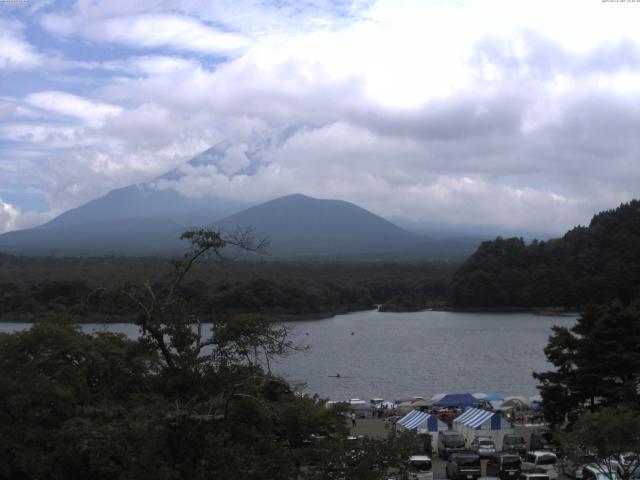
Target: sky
pixel 522 115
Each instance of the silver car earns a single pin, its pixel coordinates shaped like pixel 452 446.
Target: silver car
pixel 484 446
pixel 420 467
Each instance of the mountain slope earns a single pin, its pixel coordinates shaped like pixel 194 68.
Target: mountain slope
pixel 134 220
pixel 305 227
pixel 296 225
pixel 587 265
pixel 150 201
pixel 301 225
pixel 147 219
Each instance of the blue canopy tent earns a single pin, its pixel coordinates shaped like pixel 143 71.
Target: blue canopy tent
pixel 458 400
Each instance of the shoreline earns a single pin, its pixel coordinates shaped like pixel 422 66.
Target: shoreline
pixel 287 318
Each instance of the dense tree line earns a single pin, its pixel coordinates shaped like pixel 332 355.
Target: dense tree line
pixel 597 363
pixel 588 265
pixel 591 397
pixel 48 288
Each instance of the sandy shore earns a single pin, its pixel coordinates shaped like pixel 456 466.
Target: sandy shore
pixel 370 427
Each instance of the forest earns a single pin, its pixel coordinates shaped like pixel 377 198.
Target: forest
pixel 587 265
pixel 80 289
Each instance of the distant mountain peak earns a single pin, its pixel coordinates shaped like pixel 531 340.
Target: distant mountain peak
pixel 148 218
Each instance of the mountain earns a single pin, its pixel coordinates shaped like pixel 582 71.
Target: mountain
pixel 297 226
pixel 139 219
pixel 300 225
pixel 147 219
pixel 587 265
pixel 154 200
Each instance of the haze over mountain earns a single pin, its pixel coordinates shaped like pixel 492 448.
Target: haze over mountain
pixel 150 201
pixel 298 225
pixel 147 219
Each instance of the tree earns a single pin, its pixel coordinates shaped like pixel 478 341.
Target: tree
pixel 177 403
pixel 602 436
pixel 597 363
pixel 68 398
pixel 588 264
pixel 162 314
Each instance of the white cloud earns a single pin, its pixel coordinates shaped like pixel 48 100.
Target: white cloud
pixel 12 218
pixel 15 52
pixel 161 30
pixel 475 112
pixel 8 217
pixel 62 103
pixel 150 65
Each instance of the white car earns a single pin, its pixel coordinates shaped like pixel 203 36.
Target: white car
pixel 599 472
pixel 420 467
pixel 628 464
pixel 572 467
pixel 533 476
pixel 541 461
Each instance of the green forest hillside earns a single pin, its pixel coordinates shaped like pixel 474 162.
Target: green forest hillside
pixel 50 288
pixel 587 265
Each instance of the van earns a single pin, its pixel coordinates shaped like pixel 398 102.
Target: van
pixel 541 461
pixel 464 466
pixel 505 466
pixel 514 444
pixel 449 442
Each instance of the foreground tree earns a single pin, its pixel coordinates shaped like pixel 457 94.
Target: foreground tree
pixel 597 363
pixel 609 438
pixel 180 402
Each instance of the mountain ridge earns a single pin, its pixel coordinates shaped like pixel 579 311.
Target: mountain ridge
pixel 148 218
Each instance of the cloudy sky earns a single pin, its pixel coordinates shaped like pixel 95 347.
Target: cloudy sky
pixel 516 114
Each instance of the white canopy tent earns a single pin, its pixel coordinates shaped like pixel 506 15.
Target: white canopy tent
pixel 475 422
pixel 422 422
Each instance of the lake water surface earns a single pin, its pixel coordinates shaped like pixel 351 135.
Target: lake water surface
pixel 390 355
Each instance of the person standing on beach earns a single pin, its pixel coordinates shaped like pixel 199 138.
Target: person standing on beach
pixel 353 419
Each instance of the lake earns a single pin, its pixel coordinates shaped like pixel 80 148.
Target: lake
pixel 390 355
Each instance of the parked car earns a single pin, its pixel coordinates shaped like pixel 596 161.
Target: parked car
pixel 483 445
pixel 506 466
pixel 449 442
pixel 447 414
pixel 514 444
pixel 464 466
pixel 541 461
pixel 533 476
pixel 572 467
pixel 542 440
pixel 420 467
pixel 628 464
pixel 599 472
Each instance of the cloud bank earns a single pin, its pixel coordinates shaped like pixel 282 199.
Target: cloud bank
pixel 474 113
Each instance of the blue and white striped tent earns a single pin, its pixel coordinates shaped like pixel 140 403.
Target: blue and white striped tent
pixel 475 418
pixel 422 423
pixel 475 422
